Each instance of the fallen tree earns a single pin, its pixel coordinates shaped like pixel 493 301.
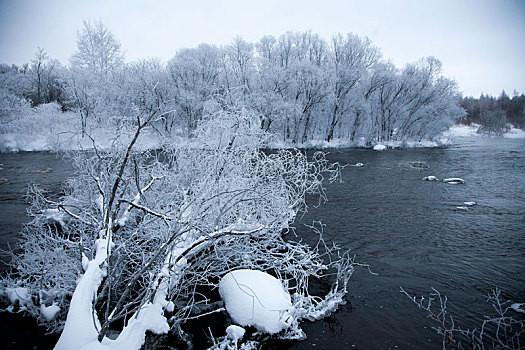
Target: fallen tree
pixel 135 234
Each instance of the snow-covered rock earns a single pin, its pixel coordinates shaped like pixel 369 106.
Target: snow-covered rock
pixel 379 147
pixel 430 178
pixel 454 180
pixel 255 298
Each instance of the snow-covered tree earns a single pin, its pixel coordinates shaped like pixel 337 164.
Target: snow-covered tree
pixel 352 58
pixel 194 77
pixel 136 235
pixel 97 49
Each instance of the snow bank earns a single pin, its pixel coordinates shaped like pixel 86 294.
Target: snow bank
pixel 515 133
pixel 361 143
pixel 47 128
pixel 460 130
pixel 254 298
pixel 67 141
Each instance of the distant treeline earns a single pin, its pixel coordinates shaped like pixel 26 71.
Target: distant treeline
pixel 302 87
pixel 495 115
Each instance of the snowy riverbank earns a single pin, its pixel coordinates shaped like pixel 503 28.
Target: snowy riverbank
pixel 47 129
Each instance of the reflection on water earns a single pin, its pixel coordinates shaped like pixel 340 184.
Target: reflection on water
pixel 407 229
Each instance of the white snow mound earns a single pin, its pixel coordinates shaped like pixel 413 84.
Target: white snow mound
pixel 254 298
pixel 379 148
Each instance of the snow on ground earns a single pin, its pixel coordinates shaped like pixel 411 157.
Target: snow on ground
pixel 515 133
pixel 67 141
pixel 361 143
pixel 46 128
pixel 255 298
pixel 460 130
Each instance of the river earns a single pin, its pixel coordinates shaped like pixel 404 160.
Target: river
pixel 408 230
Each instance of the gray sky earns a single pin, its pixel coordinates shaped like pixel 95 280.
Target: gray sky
pixel 480 42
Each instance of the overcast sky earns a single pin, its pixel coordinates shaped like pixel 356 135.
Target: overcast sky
pixel 480 42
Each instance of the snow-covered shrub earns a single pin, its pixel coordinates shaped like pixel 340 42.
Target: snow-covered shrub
pixel 143 235
pixel 12 107
pixel 44 127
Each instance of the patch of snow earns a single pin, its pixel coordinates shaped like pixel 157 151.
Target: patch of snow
pixel 518 307
pixel 255 298
pixel 55 216
pixel 306 307
pixel 85 261
pixel 460 130
pixel 454 181
pixel 379 147
pixel 150 318
pixel 49 313
pixel 515 133
pixel 235 333
pixel 18 294
pixel 80 330
pixel 430 178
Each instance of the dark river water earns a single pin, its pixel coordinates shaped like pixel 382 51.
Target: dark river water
pixel 408 230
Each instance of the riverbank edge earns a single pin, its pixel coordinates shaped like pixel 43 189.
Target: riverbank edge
pixel 16 143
